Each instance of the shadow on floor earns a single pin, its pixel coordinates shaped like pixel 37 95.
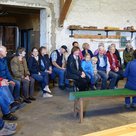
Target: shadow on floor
pixel 100 112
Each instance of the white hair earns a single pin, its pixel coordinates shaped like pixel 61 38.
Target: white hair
pixel 2 48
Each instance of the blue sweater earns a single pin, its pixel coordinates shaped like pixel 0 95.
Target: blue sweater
pixel 130 74
pixel 4 71
pixel 87 68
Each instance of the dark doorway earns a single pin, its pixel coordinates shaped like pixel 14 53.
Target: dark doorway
pixel 26 40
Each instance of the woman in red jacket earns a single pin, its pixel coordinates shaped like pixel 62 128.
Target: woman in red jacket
pixel 114 63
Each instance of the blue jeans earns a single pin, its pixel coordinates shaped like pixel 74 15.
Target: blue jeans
pixel 1 123
pixel 104 78
pixel 15 90
pixel 60 73
pixel 4 91
pixel 113 79
pixel 4 104
pixel 128 100
pixel 43 79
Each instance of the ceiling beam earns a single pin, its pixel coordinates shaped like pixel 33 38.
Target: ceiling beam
pixel 64 11
pixel 61 4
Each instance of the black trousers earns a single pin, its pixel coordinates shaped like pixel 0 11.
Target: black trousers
pixel 82 83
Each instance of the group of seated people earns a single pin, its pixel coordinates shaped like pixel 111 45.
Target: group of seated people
pixel 84 67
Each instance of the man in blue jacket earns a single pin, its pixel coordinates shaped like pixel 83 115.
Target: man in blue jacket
pixel 14 85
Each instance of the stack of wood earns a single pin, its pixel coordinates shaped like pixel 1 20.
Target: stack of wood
pixel 111 28
pixel 89 36
pixel 129 28
pixel 90 27
pixel 83 36
pixel 74 27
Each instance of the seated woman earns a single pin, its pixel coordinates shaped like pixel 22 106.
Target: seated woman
pixel 115 66
pixel 75 71
pixel 130 74
pixel 86 50
pixel 36 73
pixel 20 72
pixel 45 65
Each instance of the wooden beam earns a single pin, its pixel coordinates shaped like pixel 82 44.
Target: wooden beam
pixel 61 4
pixel 64 11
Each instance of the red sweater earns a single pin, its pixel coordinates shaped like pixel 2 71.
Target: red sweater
pixel 0 80
pixel 113 65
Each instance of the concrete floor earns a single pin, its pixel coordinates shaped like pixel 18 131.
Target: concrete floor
pixel 54 116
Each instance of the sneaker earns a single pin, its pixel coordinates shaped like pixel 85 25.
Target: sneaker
pixel 93 88
pixel 47 89
pixel 133 105
pixel 9 117
pixel 46 95
pixel 6 132
pixel 10 126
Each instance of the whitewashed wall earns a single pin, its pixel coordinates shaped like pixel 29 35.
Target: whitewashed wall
pixel 100 13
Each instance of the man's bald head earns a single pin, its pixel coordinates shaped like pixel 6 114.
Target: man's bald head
pixel 3 51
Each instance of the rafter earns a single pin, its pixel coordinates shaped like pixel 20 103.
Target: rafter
pixel 64 11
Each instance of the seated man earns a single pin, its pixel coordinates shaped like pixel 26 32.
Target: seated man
pixel 58 65
pixel 103 67
pixel 4 90
pixel 6 100
pixel 4 73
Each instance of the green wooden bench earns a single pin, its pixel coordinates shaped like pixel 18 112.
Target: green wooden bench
pixel 79 97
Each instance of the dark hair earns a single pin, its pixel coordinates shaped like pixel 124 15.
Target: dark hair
pixel 74 43
pixel 33 49
pixel 20 50
pixel 75 48
pixel 134 54
pixel 41 48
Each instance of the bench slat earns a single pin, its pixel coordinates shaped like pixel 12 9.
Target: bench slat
pixel 102 93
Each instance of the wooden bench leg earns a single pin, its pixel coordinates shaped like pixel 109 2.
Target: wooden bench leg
pixel 76 108
pixel 81 110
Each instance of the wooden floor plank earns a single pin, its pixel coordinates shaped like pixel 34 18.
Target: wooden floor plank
pixel 126 130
